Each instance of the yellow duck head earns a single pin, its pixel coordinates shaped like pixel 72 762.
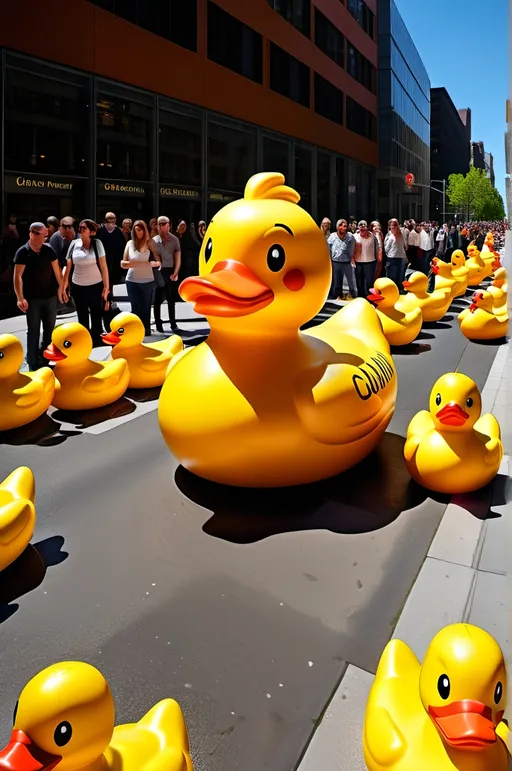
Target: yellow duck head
pixel 500 278
pixel 473 251
pixel 64 719
pixel 481 301
pixel 264 262
pixel 489 241
pixel 463 686
pixel 417 283
pixel 455 402
pixel 11 355
pixel 71 344
pixel 384 293
pixel 125 328
pixel 458 259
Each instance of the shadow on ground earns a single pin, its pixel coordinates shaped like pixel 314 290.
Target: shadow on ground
pixel 27 572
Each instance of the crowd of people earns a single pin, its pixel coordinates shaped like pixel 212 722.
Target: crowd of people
pixel 361 253
pixel 67 266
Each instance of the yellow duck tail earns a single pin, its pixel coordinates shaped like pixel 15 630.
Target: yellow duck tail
pixel 358 319
pixel 397 660
pixel 21 484
pixel 166 720
pixel 15 518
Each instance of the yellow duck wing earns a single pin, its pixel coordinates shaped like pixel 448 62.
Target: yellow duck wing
pixel 19 485
pixel 490 428
pixel 463 314
pixel 16 517
pixel 383 742
pixel 40 384
pixel 420 425
pixel 358 320
pixel 166 721
pixel 171 346
pixel 108 376
pixel 414 317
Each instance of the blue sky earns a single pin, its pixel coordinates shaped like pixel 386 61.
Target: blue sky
pixel 464 46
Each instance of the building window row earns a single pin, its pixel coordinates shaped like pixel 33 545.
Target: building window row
pixel 360 120
pixel 363 15
pixel 296 12
pixel 173 20
pixel 332 42
pixel 233 44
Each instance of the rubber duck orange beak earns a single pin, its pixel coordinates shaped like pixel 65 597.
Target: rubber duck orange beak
pixel 21 754
pixel 465 724
pixel 231 290
pixel 452 415
pixel 406 284
pixel 375 296
pixel 52 353
pixel 476 299
pixel 111 338
pixel 496 263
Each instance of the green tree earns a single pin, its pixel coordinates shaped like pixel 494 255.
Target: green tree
pixel 474 196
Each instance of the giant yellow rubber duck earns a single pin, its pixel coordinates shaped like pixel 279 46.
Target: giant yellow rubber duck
pixel 85 384
pixel 446 279
pixel 478 269
pixel 444 715
pixel 24 396
pixel 433 305
pixel 400 328
pixel 261 403
pixel 64 719
pixel 499 292
pixel 17 514
pixel 452 448
pixel 148 363
pixel 488 253
pixel 479 322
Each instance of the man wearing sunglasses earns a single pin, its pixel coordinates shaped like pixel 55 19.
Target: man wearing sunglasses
pixel 38 285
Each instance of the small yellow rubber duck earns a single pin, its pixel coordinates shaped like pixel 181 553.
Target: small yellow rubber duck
pixel 451 448
pixel 24 396
pixel 479 322
pixel 444 715
pixel 499 292
pixel 445 278
pixel 262 403
pixel 17 514
pixel 64 719
pixel 433 305
pixel 85 384
pixel 478 269
pixel 400 328
pixel 148 362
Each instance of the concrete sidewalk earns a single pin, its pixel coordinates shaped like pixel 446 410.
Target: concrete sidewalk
pixel 466 576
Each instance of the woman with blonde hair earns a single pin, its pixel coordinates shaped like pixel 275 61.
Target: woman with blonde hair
pixel 140 257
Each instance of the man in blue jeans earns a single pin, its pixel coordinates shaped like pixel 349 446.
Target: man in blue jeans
pixel 368 258
pixel 38 284
pixel 341 248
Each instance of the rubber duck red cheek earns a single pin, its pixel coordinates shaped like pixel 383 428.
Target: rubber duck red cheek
pixel 294 280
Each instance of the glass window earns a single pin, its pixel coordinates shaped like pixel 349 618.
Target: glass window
pixel 304 175
pixel 174 20
pixel 360 120
pixel 341 191
pixel 297 12
pixel 276 156
pixel 233 44
pixel 404 43
pixel 288 76
pixel 406 108
pixel 362 15
pixel 361 69
pixel 328 100
pixel 404 74
pixel 231 157
pixel 329 39
pixel 324 186
pixel 124 133
pixel 181 149
pixel 46 124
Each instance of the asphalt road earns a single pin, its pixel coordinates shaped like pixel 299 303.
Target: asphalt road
pixel 245 606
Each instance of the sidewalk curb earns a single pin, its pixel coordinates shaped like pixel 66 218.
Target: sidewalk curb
pixel 450 570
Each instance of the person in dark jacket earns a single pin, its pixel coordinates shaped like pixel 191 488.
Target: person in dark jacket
pixel 114 242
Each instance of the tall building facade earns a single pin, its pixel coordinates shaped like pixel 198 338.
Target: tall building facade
pixel 508 161
pixel 478 155
pixel 489 168
pixel 404 120
pixel 465 116
pixel 449 145
pixel 169 106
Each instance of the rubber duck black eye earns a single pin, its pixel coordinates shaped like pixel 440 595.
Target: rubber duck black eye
pixel 209 250
pixel 276 258
pixel 120 331
pixel 438 399
pixel 498 693
pixel 469 402
pixel 67 344
pixel 443 686
pixel 62 734
pixel 2 354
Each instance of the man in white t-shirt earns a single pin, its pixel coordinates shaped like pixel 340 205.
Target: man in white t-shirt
pixel 368 256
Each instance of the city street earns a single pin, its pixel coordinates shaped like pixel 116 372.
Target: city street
pixel 245 606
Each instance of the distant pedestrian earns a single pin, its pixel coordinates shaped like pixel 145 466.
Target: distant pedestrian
pixel 169 252
pixel 127 228
pixel 114 243
pixel 394 246
pixel 368 256
pixel 52 223
pixel 342 245
pixel 140 257
pixel 326 227
pixel 38 286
